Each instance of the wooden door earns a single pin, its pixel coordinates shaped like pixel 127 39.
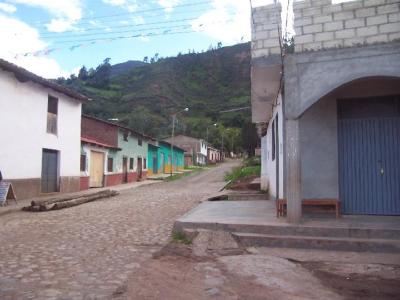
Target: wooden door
pixel 50 177
pixel 139 167
pixel 125 169
pixel 96 169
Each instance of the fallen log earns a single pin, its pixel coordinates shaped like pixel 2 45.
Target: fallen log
pixel 81 200
pixel 65 202
pixel 65 198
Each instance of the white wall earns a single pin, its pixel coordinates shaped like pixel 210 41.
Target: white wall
pixel 87 149
pixel 23 123
pixel 268 166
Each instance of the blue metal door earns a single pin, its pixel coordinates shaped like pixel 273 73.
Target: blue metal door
pixel 369 156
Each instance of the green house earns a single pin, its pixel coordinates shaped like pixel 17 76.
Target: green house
pixel 159 158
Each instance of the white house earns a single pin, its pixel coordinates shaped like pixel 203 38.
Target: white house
pixel 329 111
pixel 40 125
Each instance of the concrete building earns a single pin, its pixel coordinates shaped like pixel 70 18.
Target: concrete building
pixel 196 149
pixel 159 155
pixel 111 154
pixel 329 113
pixel 40 133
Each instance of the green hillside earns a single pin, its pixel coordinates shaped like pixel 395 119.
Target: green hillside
pixel 144 97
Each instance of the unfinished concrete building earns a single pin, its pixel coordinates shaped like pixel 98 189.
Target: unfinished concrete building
pixel 329 111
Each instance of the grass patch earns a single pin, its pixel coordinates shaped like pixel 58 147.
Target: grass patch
pixel 180 237
pixel 194 170
pixel 252 161
pixel 241 173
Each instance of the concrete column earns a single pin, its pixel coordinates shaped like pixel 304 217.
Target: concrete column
pixel 293 164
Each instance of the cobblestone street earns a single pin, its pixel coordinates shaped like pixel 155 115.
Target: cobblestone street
pixel 86 252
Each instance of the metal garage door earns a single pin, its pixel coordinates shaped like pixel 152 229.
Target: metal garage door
pixel 50 182
pixel 369 155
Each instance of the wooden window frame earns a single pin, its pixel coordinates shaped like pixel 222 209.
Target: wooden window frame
pixel 131 163
pixel 52 115
pixel 110 164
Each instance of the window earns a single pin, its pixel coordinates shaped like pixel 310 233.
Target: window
pixel 140 141
pixel 110 163
pixel 126 134
pixel 83 162
pixel 273 140
pixel 52 111
pixel 131 162
pixel 144 164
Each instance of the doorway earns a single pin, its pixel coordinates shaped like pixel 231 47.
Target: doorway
pixel 369 152
pixel 96 176
pixel 50 171
pixel 124 169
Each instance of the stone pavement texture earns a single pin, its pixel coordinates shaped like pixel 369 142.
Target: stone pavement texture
pixel 88 251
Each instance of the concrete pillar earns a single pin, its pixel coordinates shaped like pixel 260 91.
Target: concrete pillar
pixel 293 164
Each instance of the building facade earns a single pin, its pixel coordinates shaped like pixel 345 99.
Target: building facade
pixel 40 134
pixel 111 154
pixel 213 155
pixel 331 131
pixel 196 149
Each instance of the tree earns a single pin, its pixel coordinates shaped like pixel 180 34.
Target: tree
pixel 146 59
pixel 250 138
pixel 83 74
pixel 101 76
pixel 219 45
pixel 156 57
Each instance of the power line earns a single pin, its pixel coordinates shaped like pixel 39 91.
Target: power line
pixel 94 41
pixel 119 26
pixel 105 22
pixel 137 30
pixel 135 12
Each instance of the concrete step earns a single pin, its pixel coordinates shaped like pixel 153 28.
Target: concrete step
pixel 249 196
pixel 296 230
pixel 322 243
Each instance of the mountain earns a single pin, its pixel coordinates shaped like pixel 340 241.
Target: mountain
pixel 125 67
pixel 144 96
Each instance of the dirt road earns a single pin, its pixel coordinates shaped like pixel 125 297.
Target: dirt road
pixel 88 251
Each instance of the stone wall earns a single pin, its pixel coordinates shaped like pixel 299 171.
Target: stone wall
pixel 322 25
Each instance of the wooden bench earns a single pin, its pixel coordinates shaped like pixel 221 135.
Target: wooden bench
pixel 281 203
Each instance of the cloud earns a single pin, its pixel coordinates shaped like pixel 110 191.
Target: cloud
pixel 67 12
pixel 138 20
pixel 168 4
pixel 60 25
pixel 228 21
pixel 115 2
pixel 8 8
pixel 22 38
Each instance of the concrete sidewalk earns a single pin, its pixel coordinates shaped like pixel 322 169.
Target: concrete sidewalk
pixel 12 206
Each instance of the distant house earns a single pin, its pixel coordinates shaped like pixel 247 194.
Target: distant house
pixel 213 155
pixel 40 133
pixel 159 155
pixel 111 154
pixel 195 149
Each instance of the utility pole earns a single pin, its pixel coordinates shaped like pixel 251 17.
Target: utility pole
pixel 173 136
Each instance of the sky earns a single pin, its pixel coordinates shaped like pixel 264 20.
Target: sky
pixel 54 38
